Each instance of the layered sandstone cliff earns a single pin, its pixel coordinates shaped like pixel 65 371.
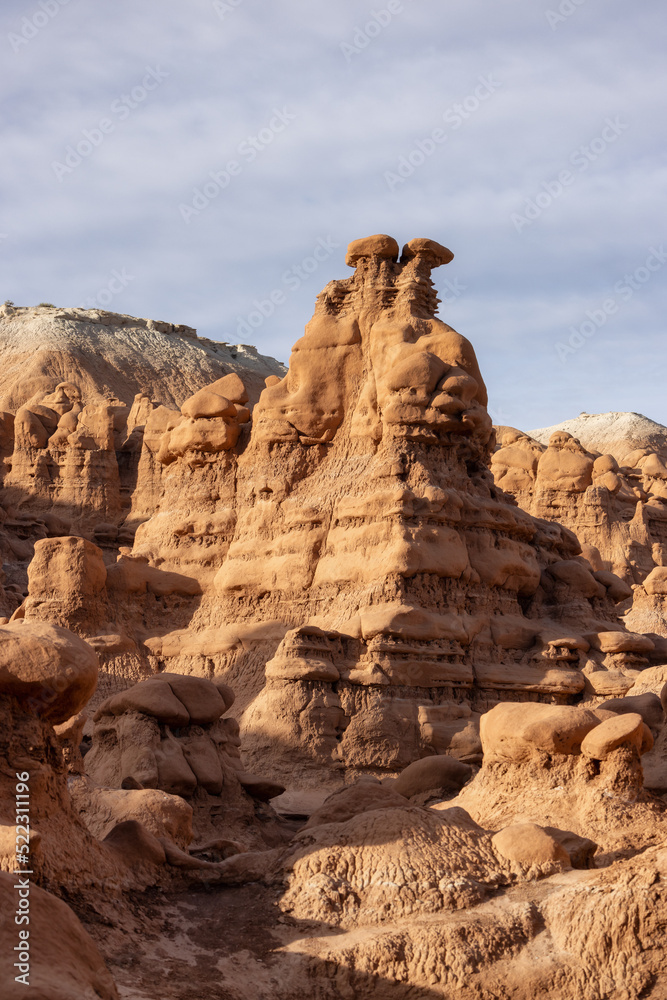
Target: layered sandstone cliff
pixel 313 707
pixel 617 509
pixel 341 556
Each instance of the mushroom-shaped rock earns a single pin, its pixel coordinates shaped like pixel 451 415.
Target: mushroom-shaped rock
pixel 433 253
pixel 232 387
pixel 51 670
pixel 442 772
pixel 621 642
pixel 207 403
pixel 203 700
pixel 364 795
pixel 379 247
pixel 514 732
pixel 529 844
pixel 624 730
pixel 150 697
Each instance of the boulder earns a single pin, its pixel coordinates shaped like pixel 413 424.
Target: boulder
pixel 49 669
pixel 259 787
pixel 150 697
pixel 528 844
pixel 433 252
pixel 624 730
pixel 207 403
pixel 442 773
pixel 621 642
pixel 581 850
pixel 363 796
pixel 647 705
pixel 134 844
pixel 378 247
pixel 514 732
pixel 202 699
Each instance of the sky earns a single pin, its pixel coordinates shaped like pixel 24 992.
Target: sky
pixel 208 162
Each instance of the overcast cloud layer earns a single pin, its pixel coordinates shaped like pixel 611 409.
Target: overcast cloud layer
pixel 183 161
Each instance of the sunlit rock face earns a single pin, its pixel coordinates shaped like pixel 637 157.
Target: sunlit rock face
pixel 360 579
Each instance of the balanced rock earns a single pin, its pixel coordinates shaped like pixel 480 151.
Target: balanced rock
pixel 373 247
pixel 623 730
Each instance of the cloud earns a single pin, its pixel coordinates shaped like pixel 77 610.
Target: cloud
pixel 357 117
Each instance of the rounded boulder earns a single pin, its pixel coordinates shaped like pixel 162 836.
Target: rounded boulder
pixel 380 247
pixel 443 773
pixel 515 732
pixel 50 670
pixel 206 403
pixel 529 844
pixel 623 730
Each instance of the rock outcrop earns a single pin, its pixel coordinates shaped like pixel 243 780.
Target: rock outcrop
pixel 80 392
pixel 615 434
pixel 356 513
pixel 617 509
pixel 300 650
pixel 107 355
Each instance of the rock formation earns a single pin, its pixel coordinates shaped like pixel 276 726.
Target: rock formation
pixel 110 355
pixel 615 434
pixel 309 704
pixel 355 519
pixel 85 390
pixel 617 509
